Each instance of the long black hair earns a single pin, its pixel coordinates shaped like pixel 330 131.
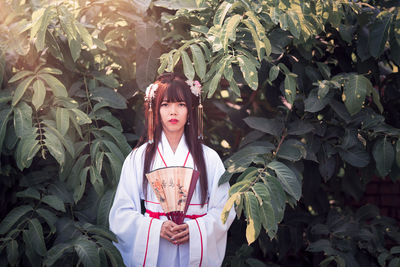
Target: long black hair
pixel 173 88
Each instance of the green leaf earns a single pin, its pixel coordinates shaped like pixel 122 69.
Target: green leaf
pixel 19 75
pixel 104 207
pixel 292 150
pixel 293 23
pixel 39 93
pixel 29 193
pixel 22 119
pixel 252 209
pixel 249 71
pixel 290 88
pixel 101 231
pixel 12 252
pixel 217 77
pixel 379 31
pixel 239 161
pixel 147 65
pixel 376 99
pixel 41 33
pixel 49 217
pixel 287 178
pixel 395 250
pixel 56 252
pixel 4 119
pixel 278 197
pixel 230 34
pixel 273 73
pixel 96 180
pixel 12 217
pixel 228 206
pixel 35 234
pixel 111 251
pixel 65 140
pixel 269 126
pixel 198 60
pixel 395 262
pixel 85 35
pixel 188 69
pixel 87 252
pixel 62 119
pixel 383 153
pixel 27 149
pixel 55 147
pixel 356 156
pixel 50 70
pixel 146 34
pixel 80 188
pixel 79 116
pixel 57 87
pixel 354 92
pixel 221 13
pixel 21 88
pixel 55 202
pixel 110 97
pixel 119 139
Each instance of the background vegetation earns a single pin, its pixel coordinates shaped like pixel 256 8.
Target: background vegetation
pixel 308 90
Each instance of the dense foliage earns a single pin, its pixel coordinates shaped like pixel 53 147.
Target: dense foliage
pixel 309 91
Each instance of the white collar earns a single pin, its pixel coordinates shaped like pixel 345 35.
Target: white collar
pixel 171 158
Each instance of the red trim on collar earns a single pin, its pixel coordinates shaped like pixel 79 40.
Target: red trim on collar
pixel 184 164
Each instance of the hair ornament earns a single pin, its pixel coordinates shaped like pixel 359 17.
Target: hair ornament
pixel 195 87
pixel 150 93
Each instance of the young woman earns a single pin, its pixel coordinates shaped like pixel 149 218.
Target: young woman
pixel 151 239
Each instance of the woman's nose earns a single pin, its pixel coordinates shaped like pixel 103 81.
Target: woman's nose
pixel 172 109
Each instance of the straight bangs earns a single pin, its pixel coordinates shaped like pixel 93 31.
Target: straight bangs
pixel 177 92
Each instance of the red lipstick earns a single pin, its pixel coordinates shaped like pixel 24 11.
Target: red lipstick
pixel 173 121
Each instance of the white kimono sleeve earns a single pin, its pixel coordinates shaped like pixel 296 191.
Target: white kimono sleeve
pixel 138 236
pixel 207 234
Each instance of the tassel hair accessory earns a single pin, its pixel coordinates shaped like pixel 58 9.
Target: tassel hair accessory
pixel 150 93
pixel 195 87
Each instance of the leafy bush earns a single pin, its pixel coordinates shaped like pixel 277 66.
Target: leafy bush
pixel 303 106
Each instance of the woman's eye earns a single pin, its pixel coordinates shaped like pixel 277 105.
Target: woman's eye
pixel 164 104
pixel 182 104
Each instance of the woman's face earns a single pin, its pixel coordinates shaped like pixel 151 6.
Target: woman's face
pixel 173 116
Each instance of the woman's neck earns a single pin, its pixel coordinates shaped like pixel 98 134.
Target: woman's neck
pixel 173 139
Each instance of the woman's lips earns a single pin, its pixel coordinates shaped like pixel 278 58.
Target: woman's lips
pixel 173 121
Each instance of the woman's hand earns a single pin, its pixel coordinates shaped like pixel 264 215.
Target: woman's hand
pixel 166 230
pixel 181 235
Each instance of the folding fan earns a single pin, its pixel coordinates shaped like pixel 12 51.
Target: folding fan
pixel 174 187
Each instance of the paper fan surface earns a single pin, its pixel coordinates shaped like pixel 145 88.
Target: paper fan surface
pixel 174 187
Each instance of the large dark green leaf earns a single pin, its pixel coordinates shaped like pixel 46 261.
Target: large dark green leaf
pixel 269 126
pixel 104 208
pixel 21 88
pixel 383 153
pixel 4 119
pixel 55 202
pixel 355 91
pixel 379 32
pixel 147 65
pixel 198 60
pixel 291 149
pixel 299 127
pixel 239 161
pixel 56 252
pixel 29 193
pixel 12 217
pixel 87 252
pixel 111 251
pixel 188 68
pixel 146 34
pixel 22 119
pixel 57 87
pixel 356 156
pixel 49 217
pixel 39 93
pixel 55 147
pixel 221 13
pixel 287 178
pixel 35 234
pixel 12 252
pixel 108 97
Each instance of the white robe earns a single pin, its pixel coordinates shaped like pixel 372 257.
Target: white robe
pixel 138 235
